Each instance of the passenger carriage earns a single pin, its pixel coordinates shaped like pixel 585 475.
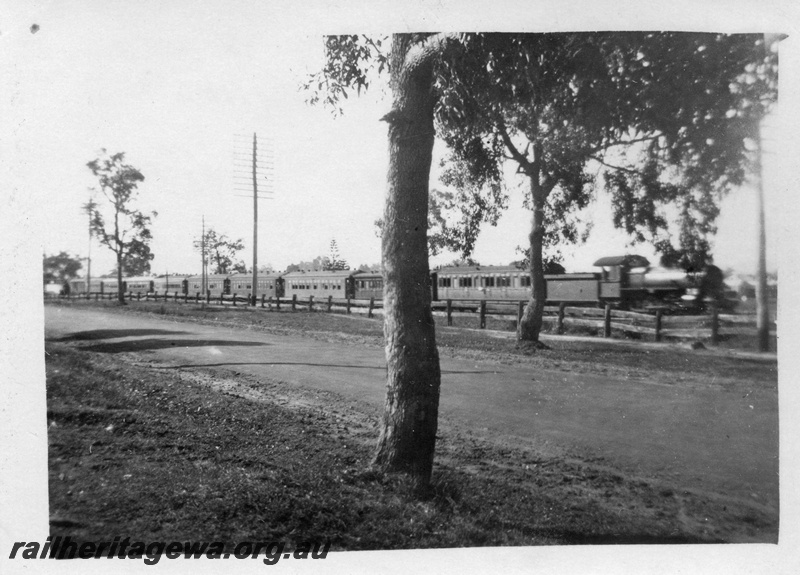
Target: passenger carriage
pixel 216 285
pixel 139 285
pixel 171 284
pixel 269 285
pixel 77 286
pixel 368 285
pixel 480 282
pixel 321 284
pixel 104 286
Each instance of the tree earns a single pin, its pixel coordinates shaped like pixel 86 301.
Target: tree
pixel 221 252
pixel 335 262
pixel 666 115
pixel 137 261
pixel 408 430
pixel 266 269
pixel 317 264
pixel 61 268
pixel 128 236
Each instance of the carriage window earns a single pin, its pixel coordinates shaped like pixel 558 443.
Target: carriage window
pixel 526 281
pixel 445 282
pixel 488 282
pixel 465 282
pixel 504 281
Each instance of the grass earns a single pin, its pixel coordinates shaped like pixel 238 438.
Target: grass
pixel 158 454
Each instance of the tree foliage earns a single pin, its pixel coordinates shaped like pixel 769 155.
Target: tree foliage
pixel 666 115
pixel 317 264
pixel 335 261
pixel 220 252
pixel 137 261
pixel 117 224
pixel 60 268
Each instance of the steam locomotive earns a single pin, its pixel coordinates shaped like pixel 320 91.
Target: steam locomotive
pixel 625 282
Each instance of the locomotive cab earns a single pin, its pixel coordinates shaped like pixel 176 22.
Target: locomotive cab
pixel 621 279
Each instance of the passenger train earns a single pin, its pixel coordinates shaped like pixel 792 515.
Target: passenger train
pixel 626 282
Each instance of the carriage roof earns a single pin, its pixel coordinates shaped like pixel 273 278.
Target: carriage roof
pixel 322 274
pixel 261 276
pixel 472 270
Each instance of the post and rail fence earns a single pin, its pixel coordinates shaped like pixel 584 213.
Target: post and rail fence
pixel 656 326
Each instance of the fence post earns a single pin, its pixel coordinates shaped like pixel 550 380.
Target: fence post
pixel 561 309
pixel 186 297
pixel 659 313
pixel 371 305
pixel 176 296
pixel 483 314
pixel 449 312
pixel 714 323
pixel 263 299
pixel 277 303
pixel 138 296
pixel 220 298
pixel 311 303
pixel 197 297
pixel 234 299
pixel 348 305
pixel 607 321
pixel 208 297
pixel 294 302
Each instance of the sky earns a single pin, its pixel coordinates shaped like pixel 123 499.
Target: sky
pixel 181 87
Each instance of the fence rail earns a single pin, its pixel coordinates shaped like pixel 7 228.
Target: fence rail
pixel 658 325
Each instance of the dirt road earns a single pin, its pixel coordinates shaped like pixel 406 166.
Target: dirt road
pixel 717 439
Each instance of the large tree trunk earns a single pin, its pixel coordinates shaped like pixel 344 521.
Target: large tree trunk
pixel 762 298
pixel 531 322
pixel 408 433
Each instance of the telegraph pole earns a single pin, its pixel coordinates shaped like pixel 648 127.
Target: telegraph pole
pixel 258 168
pixel 762 298
pixel 203 283
pixel 89 258
pixel 255 222
pixel 89 207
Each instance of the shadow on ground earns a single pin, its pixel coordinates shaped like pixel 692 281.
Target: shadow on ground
pixel 96 334
pixel 303 363
pixel 155 344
